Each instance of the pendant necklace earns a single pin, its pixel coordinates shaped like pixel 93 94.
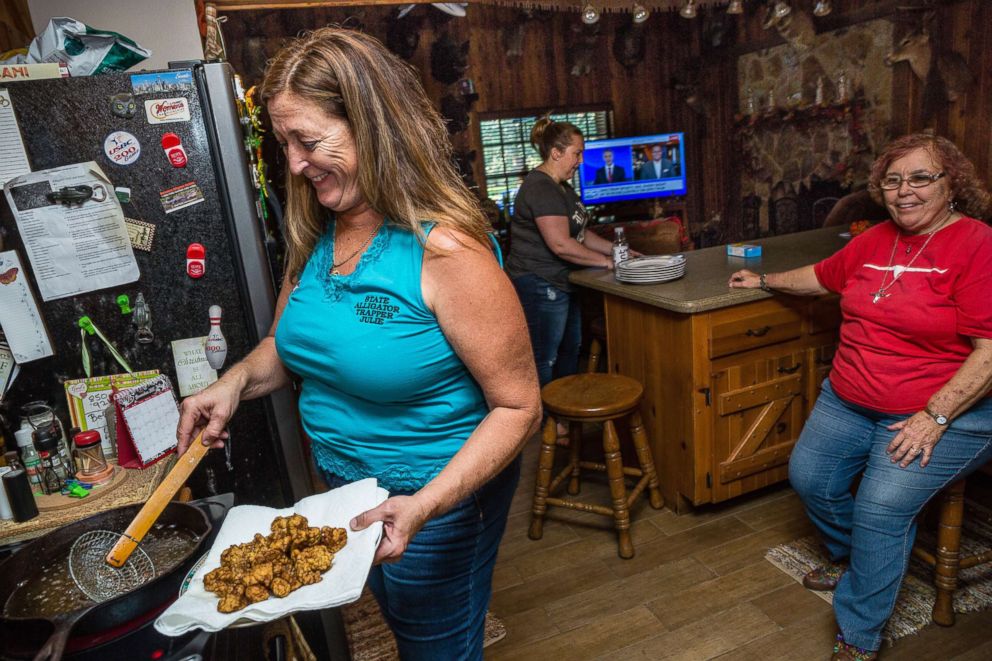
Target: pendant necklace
pixel 899 270
pixel 336 265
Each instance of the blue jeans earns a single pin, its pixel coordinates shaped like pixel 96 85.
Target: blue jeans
pixel 435 598
pixel 875 528
pixel 555 324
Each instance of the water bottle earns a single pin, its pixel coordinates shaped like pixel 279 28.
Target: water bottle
pixel 29 456
pixel 621 250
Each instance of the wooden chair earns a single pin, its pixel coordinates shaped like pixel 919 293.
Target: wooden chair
pixel 784 216
pixel 946 559
pixel 584 398
pixel 750 217
pixel 821 209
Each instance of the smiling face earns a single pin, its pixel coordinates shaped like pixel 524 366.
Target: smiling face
pixel 569 160
pixel 319 147
pixel 656 153
pixel 917 210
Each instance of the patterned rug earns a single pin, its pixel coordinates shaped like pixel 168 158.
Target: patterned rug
pixel 369 637
pixel 917 595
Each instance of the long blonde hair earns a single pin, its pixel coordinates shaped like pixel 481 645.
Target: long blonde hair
pixel 405 169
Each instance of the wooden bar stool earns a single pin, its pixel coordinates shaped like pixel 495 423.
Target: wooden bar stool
pixel 594 398
pixel 947 559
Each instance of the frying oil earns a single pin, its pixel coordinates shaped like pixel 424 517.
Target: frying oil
pixel 51 590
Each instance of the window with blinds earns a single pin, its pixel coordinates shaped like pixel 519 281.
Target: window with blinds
pixel 507 155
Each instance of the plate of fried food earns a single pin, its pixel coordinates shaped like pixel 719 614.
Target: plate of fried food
pixel 267 563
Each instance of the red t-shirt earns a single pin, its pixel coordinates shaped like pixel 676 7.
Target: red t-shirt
pixel 896 353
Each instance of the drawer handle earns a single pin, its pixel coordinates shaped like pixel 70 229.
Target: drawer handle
pixel 790 370
pixel 761 332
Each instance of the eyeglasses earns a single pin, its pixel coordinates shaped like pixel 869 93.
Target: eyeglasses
pixel 915 180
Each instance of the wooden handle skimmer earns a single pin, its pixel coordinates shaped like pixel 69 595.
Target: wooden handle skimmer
pixel 153 507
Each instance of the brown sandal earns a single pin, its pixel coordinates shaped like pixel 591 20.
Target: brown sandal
pixel 825 577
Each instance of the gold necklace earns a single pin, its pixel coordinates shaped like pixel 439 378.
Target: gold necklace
pixel 899 270
pixel 335 265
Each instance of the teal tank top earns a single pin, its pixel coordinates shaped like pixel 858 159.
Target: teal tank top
pixel 383 393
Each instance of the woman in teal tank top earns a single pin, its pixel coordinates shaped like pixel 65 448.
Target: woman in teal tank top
pixel 406 338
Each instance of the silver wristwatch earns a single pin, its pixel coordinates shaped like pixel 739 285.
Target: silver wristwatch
pixel 938 418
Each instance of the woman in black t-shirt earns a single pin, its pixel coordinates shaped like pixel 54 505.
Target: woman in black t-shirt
pixel 549 239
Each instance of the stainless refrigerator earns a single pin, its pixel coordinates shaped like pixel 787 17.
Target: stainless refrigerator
pixel 70 120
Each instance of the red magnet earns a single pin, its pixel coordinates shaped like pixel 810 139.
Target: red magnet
pixel 173 147
pixel 196 256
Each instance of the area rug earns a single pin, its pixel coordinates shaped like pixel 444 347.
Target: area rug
pixel 369 637
pixel 917 595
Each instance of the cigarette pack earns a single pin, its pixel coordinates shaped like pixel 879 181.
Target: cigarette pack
pixel 743 250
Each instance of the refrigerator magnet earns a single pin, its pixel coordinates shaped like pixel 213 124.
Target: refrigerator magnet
pixel 123 105
pixel 196 257
pixel 140 233
pixel 121 148
pixel 181 196
pixel 173 147
pixel 163 111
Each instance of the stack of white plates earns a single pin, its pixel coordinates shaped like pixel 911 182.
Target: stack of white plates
pixel 651 270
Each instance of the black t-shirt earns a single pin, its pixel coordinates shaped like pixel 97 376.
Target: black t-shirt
pixel 540 195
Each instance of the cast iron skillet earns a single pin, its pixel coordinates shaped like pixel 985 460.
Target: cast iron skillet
pixel 46 638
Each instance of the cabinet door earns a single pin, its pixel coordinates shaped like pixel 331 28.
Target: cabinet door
pixel 758 411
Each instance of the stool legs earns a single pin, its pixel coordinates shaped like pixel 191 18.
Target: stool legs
pixel 574 448
pixel 645 460
pixel 618 490
pixel 544 467
pixel 948 552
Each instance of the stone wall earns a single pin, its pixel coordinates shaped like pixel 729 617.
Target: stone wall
pixel 788 140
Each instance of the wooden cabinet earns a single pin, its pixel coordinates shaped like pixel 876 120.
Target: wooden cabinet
pixel 726 391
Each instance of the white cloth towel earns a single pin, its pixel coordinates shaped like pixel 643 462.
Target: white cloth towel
pixel 341 584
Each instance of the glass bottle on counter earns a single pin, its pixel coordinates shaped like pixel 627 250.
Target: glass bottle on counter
pixel 51 482
pixel 29 455
pixel 621 249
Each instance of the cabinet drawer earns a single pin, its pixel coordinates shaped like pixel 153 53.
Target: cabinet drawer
pixel 735 335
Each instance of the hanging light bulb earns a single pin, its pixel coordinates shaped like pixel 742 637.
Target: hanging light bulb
pixel 822 8
pixel 781 9
pixel 735 7
pixel 590 14
pixel 688 9
pixel 640 13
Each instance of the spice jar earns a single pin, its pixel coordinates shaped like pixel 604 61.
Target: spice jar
pixel 92 464
pixel 53 472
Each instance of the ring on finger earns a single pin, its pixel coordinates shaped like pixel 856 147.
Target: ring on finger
pixel 915 450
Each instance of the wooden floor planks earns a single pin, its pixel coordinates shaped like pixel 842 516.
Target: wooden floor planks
pixel 698 587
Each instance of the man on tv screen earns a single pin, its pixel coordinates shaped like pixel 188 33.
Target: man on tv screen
pixel 659 167
pixel 609 173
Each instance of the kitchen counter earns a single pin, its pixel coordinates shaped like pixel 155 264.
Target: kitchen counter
pixel 729 375
pixel 704 286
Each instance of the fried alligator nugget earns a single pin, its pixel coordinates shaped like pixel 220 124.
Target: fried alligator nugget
pixel 231 602
pixel 333 538
pixel 293 555
pixel 281 587
pixel 256 593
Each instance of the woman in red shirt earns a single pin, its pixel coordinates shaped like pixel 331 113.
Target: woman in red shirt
pixel 907 402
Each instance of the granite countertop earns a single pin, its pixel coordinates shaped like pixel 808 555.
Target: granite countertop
pixel 704 286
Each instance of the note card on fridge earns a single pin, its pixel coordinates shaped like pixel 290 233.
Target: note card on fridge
pixel 19 314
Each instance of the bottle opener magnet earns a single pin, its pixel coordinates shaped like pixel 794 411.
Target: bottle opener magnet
pixel 196 256
pixel 173 147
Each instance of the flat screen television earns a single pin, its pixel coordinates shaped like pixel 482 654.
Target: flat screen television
pixel 643 167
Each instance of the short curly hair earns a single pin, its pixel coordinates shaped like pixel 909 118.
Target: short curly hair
pixel 968 192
